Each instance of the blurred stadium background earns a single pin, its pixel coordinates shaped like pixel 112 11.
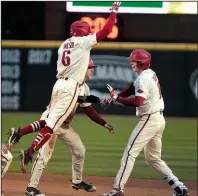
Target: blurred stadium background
pixel 31 35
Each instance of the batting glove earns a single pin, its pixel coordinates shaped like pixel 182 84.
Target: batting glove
pixel 106 102
pixel 115 7
pixel 112 92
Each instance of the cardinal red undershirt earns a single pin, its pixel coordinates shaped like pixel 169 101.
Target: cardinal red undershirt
pixel 93 115
pixel 100 35
pixel 136 101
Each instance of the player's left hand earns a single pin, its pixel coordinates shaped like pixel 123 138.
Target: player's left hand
pixel 112 92
pixel 110 128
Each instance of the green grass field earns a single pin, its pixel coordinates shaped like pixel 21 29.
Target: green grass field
pixel 104 151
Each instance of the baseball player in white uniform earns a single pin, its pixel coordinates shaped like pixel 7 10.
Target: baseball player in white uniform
pixel 70 139
pixel 72 64
pixel 148 132
pixel 6 159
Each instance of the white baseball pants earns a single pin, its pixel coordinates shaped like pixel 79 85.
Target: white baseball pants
pixel 64 97
pixel 147 135
pixel 73 142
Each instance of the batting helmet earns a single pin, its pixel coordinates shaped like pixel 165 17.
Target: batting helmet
pixel 79 29
pixel 91 64
pixel 141 56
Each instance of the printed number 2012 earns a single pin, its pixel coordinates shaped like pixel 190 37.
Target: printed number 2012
pixel 66 58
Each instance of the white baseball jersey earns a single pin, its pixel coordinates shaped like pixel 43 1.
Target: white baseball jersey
pixel 147 86
pixel 73 57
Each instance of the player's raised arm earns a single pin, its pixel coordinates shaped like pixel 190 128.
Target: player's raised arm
pixel 100 35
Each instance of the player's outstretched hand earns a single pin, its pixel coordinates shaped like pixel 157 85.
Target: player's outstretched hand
pixel 115 7
pixel 110 128
pixel 112 93
pixel 106 102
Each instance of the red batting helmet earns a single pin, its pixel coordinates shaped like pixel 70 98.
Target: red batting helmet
pixel 79 29
pixel 142 56
pixel 91 64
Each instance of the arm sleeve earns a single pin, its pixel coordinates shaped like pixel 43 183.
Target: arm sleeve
pixel 94 116
pixel 135 101
pixel 127 92
pixel 141 93
pixel 87 42
pixel 100 35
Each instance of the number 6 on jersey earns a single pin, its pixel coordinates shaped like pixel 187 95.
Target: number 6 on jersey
pixel 66 58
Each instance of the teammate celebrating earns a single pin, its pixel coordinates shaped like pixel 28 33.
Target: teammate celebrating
pixel 147 134
pixel 68 136
pixel 72 64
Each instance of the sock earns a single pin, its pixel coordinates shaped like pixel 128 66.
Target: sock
pixel 175 184
pixel 33 127
pixel 42 137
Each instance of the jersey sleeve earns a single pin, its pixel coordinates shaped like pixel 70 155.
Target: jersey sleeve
pixel 86 93
pixel 141 88
pixel 87 42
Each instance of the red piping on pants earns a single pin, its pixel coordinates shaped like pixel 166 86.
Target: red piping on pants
pixel 131 148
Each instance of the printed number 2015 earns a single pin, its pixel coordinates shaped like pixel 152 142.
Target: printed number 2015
pixel 66 58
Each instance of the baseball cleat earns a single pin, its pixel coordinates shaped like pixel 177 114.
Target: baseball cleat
pixel 31 191
pixel 13 136
pixel 84 186
pixel 113 192
pixel 25 159
pixel 185 192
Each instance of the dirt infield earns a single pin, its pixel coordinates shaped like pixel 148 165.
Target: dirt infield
pixel 14 184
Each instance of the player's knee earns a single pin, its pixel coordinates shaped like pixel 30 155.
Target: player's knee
pixel 133 154
pixel 80 152
pixel 150 160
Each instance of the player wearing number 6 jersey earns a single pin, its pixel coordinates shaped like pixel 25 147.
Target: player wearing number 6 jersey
pixel 68 136
pixel 72 64
pixel 148 132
